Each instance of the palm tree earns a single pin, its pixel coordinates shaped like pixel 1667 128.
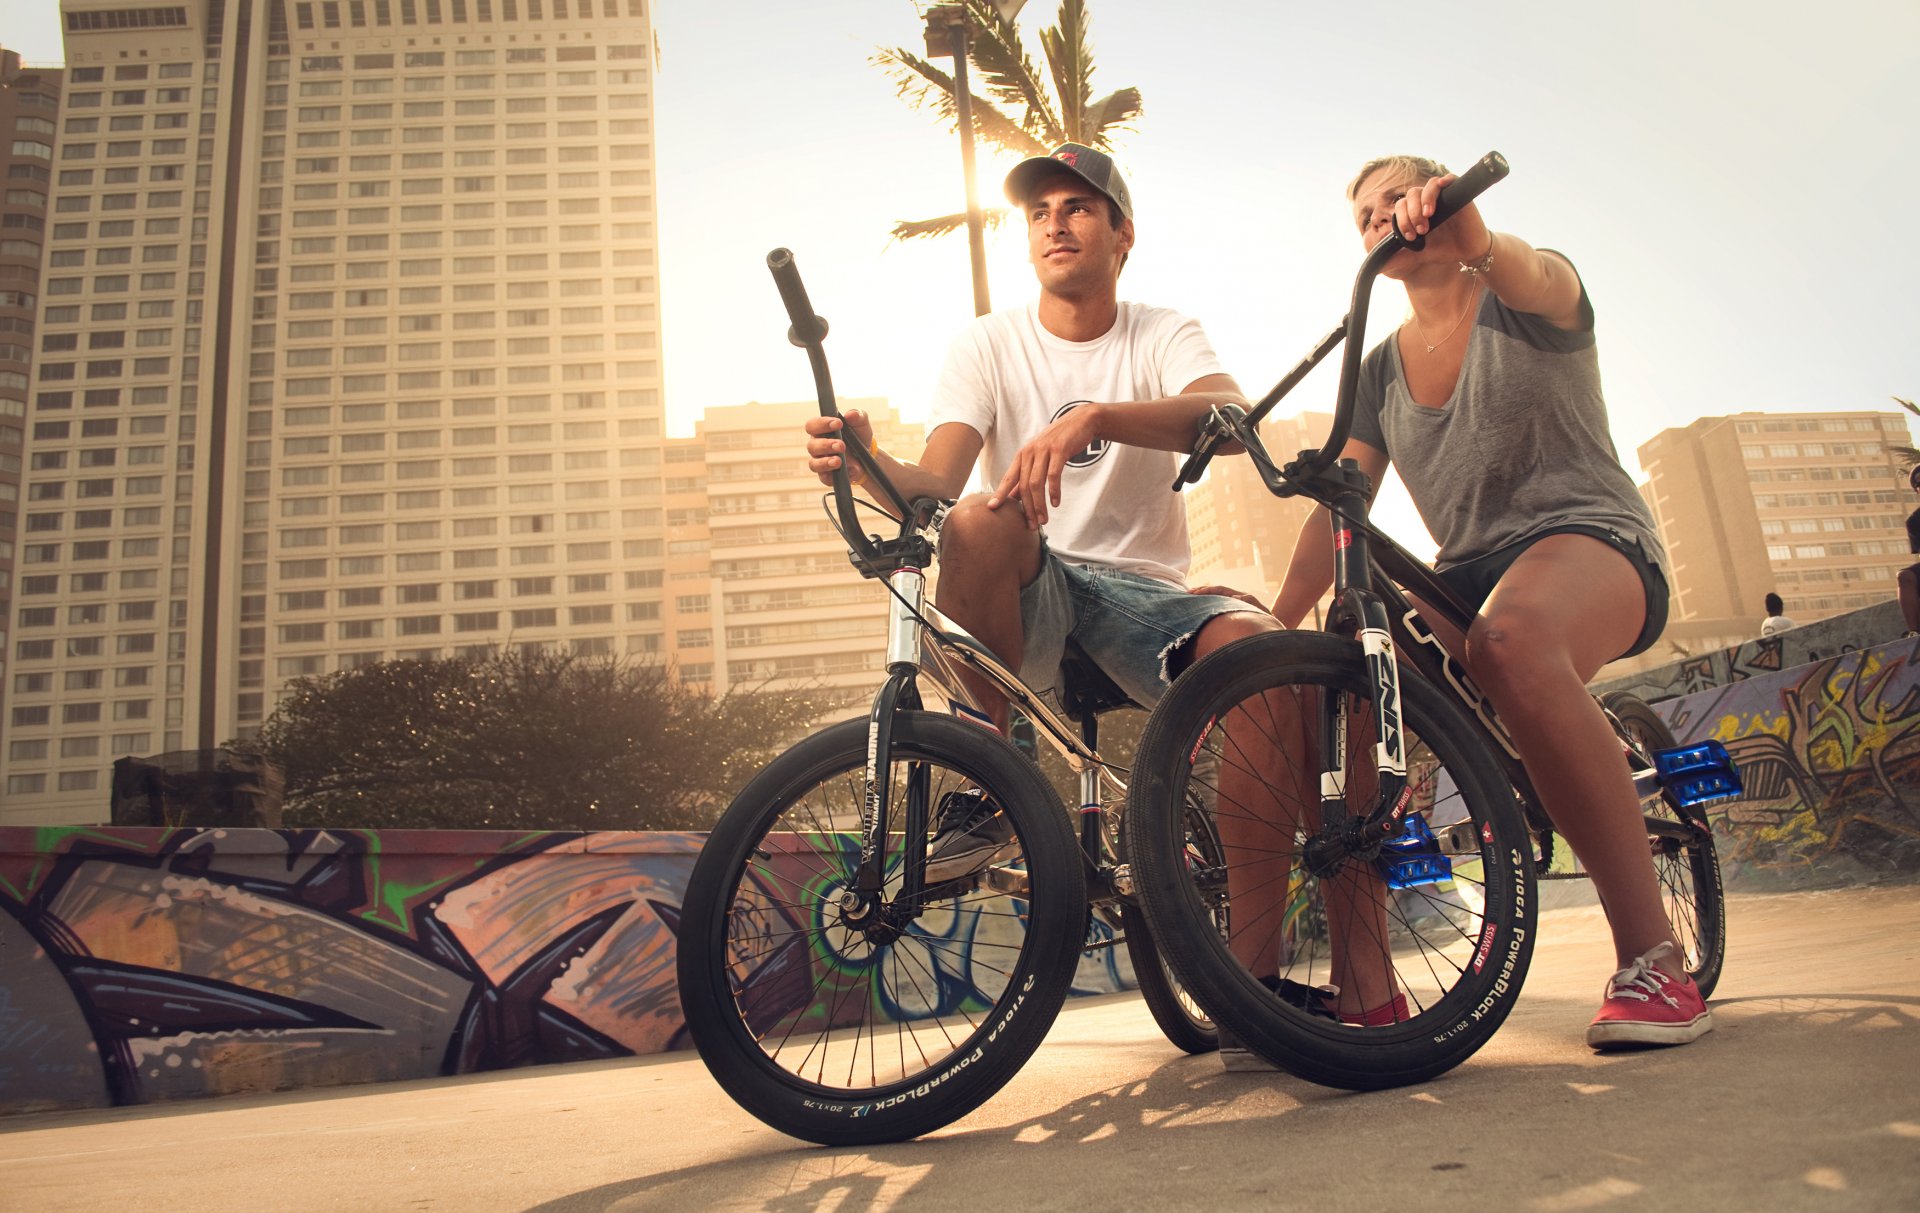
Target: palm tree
pixel 1019 112
pixel 1908 455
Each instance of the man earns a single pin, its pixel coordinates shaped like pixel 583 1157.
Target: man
pixel 1776 621
pixel 1077 401
pixel 1909 577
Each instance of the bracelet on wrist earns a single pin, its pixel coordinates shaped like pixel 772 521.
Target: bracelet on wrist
pixel 1482 264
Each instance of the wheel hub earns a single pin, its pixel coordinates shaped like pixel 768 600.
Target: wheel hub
pixel 881 922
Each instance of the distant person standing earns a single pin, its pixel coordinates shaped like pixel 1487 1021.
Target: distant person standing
pixel 1910 576
pixel 1777 622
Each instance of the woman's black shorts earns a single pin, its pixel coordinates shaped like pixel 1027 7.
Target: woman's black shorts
pixel 1474 580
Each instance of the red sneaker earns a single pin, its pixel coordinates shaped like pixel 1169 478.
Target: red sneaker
pixel 1384 1015
pixel 1645 1006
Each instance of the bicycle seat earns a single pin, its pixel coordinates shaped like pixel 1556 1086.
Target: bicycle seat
pixel 1085 689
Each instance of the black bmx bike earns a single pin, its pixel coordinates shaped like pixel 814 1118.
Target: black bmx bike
pixel 840 983
pixel 1375 823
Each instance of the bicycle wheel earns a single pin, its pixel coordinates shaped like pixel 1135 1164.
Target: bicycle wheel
pixel 1175 1010
pixel 1684 856
pixel 1432 961
pixel 848 1024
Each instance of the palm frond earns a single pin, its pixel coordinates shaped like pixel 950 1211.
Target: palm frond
pixel 1908 405
pixel 1112 112
pixel 1071 62
pixel 924 86
pixel 1009 74
pixel 1908 456
pixel 920 229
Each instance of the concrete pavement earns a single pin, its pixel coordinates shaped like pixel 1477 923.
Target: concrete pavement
pixel 1807 1096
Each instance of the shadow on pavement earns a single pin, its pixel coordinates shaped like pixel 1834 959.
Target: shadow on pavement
pixel 1794 1099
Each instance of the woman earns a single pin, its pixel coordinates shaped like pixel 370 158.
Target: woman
pixel 1488 401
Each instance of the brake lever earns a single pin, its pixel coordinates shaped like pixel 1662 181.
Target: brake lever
pixel 1213 431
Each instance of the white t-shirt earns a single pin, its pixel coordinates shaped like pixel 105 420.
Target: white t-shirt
pixel 1008 378
pixel 1776 624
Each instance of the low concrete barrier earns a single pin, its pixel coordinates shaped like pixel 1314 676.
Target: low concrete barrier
pixel 139 965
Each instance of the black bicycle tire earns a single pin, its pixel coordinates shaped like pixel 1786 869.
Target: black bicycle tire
pixel 1006 1035
pixel 1708 894
pixel 1434 1039
pixel 1187 1030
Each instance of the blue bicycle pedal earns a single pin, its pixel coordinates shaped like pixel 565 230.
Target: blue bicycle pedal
pixel 1697 774
pixel 1412 857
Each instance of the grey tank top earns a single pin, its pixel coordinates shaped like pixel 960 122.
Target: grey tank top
pixel 1522 446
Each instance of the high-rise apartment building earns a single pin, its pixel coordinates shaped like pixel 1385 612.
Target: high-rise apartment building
pixel 348 352
pixel 29 114
pixel 1811 506
pixel 759 590
pixel 1242 535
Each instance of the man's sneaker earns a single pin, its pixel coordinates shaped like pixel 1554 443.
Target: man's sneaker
pixel 1645 1006
pixel 970 833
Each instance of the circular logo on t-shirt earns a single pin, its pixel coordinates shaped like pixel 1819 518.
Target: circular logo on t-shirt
pixel 1094 451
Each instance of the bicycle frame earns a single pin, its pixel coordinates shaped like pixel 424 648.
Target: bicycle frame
pixel 911 620
pixel 901 563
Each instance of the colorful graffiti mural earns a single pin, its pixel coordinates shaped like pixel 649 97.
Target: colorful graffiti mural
pixel 1830 754
pixel 1763 656
pixel 139 965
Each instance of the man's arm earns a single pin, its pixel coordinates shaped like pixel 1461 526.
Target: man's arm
pixel 1167 424
pixel 941 471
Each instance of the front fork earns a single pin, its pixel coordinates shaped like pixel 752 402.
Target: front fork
pixel 1360 837
pixel 900 692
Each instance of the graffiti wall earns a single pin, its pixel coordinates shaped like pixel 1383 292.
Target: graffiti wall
pixel 1830 755
pixel 139 965
pixel 1763 657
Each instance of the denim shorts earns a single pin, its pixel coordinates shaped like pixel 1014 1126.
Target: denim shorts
pixel 1474 580
pixel 1128 624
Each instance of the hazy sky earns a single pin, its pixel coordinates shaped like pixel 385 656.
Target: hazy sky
pixel 1734 181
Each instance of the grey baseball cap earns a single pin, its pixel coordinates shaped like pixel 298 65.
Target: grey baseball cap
pixel 1091 165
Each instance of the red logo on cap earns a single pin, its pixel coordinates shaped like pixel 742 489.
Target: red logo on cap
pixel 1072 159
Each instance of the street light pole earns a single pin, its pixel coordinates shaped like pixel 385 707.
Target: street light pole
pixel 947 32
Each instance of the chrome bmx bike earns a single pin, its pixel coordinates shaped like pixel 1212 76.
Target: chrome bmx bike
pixel 842 981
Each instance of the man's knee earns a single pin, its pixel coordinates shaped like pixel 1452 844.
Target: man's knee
pixel 971 529
pixel 1219 632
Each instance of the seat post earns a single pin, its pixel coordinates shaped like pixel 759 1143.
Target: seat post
pixel 1091 810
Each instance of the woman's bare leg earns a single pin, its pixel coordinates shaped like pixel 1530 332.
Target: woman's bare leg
pixel 1567 606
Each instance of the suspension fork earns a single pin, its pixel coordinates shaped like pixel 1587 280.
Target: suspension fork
pixel 1352 573
pixel 900 692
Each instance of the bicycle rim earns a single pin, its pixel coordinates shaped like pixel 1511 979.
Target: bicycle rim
pixel 1341 975
pixel 841 1033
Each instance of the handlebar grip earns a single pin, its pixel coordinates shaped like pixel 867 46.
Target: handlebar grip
pixel 1489 170
pixel 808 329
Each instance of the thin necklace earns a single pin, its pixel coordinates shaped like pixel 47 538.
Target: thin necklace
pixel 1434 345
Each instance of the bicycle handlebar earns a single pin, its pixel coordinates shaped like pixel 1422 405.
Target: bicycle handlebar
pixel 808 331
pixel 1231 424
pixel 1459 194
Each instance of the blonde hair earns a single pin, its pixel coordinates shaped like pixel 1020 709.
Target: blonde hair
pixel 1418 166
